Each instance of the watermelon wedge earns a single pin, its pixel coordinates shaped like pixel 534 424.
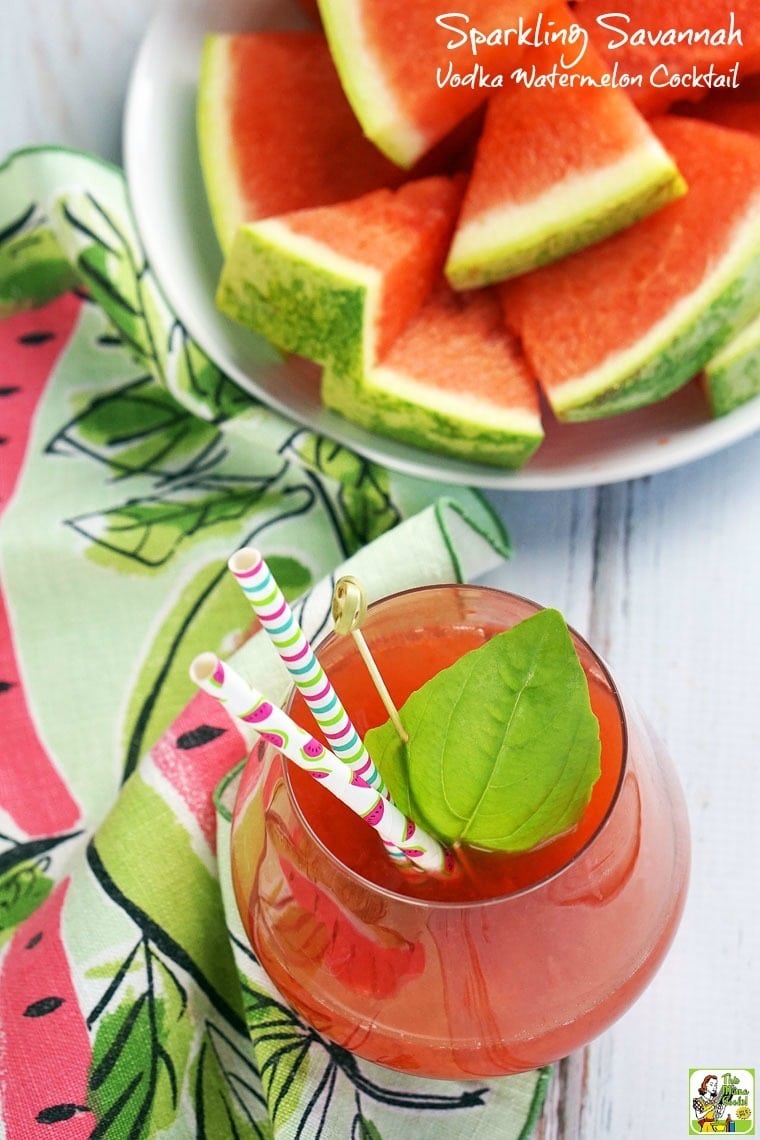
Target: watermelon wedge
pixel 625 322
pixel 338 284
pixel 732 377
pixel 555 170
pixel 409 70
pixel 680 50
pixel 454 382
pixel 275 132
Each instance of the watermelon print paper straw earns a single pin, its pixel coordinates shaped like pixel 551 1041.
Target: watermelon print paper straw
pixel 278 621
pixel 241 700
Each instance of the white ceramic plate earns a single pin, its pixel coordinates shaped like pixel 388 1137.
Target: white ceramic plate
pixel 172 217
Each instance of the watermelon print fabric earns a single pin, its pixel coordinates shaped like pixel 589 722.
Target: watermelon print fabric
pixel 130 469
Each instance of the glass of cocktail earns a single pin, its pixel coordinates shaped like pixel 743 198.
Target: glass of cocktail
pixel 514 961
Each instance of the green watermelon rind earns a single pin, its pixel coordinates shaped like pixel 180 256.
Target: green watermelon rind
pixel 218 168
pixel 381 117
pixel 407 410
pixel 678 346
pixel 301 295
pixel 732 377
pixel 574 213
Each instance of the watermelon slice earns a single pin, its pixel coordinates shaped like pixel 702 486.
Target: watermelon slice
pixel 275 132
pixel 338 284
pixel 408 68
pixel 454 382
pixel 555 170
pixel 643 44
pixel 732 377
pixel 630 319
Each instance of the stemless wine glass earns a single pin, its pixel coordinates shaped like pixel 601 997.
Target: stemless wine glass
pixel 518 961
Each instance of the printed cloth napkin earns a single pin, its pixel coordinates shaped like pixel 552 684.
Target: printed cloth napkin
pixel 130 469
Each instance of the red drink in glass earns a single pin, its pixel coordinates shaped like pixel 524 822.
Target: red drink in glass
pixel 514 961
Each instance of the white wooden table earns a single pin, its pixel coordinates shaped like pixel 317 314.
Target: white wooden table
pixel 661 574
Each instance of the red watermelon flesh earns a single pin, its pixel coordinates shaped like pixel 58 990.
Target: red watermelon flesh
pixel 455 152
pixel 421 55
pixel 458 343
pixel 578 312
pixel 404 234
pixel 407 37
pixel 337 284
pixel 667 60
pixel 738 109
pixel 276 132
pixel 44 1035
pixel 455 382
pixel 535 136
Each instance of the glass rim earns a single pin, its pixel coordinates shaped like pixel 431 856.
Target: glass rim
pixel 448 904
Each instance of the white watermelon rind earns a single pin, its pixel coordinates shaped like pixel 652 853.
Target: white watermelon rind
pixel 301 295
pixel 374 103
pixel 678 346
pixel 454 424
pixel 732 377
pixel 584 208
pixel 225 201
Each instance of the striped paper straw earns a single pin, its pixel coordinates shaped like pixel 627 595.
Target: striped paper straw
pixel 241 700
pixel 278 621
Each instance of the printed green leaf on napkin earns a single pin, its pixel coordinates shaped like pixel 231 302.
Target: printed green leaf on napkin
pixel 503 746
pixel 116 897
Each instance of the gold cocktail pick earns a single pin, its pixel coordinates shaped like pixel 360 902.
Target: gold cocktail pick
pixel 349 608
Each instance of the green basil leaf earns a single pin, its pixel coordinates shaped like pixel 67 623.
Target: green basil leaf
pixel 503 747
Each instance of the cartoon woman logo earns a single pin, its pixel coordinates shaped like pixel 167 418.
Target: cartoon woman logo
pixel 709 1106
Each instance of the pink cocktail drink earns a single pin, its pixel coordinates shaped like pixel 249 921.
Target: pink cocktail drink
pixel 514 960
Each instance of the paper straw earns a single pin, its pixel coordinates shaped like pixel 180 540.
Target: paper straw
pixel 278 621
pixel 249 705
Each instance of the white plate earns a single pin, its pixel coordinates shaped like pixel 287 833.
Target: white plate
pixel 172 217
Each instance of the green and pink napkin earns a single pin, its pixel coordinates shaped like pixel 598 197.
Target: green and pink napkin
pixel 130 469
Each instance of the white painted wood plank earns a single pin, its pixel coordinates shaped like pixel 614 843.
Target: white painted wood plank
pixel 562 1117
pixel 553 540
pixel 64 67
